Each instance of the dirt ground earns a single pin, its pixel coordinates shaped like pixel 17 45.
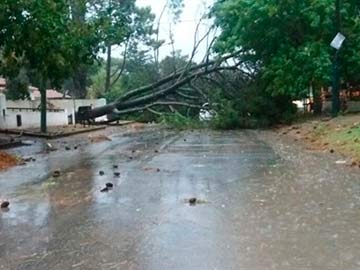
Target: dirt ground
pixel 7 161
pixel 339 135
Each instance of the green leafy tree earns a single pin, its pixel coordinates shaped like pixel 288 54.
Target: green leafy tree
pixel 288 41
pixel 42 34
pixel 17 87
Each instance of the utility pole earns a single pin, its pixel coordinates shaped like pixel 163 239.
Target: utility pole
pixel 336 74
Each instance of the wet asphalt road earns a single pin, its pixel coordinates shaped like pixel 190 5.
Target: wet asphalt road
pixel 262 205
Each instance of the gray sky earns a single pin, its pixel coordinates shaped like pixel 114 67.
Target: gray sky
pixel 184 30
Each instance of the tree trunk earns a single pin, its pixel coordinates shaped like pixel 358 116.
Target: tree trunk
pixel 43 105
pixel 78 8
pixel 108 69
pixel 317 99
pixel 80 83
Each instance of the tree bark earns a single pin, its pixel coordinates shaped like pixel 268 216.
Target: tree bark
pixel 43 106
pixel 80 83
pixel 317 99
pixel 108 69
pixel 78 8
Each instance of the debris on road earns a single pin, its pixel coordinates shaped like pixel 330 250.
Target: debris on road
pixel 101 173
pixel 4 204
pixel 109 185
pixel 56 173
pixel 28 159
pixel 340 162
pixel 147 169
pixel 7 161
pixel 50 147
pixel 192 201
pixel 27 142
pixel 117 174
pixel 99 138
pixel 115 166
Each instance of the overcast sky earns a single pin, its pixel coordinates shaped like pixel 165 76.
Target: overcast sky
pixel 184 30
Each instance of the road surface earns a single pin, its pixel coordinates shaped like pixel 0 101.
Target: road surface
pixel 262 204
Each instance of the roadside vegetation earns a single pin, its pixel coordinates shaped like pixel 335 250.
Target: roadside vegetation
pixel 340 135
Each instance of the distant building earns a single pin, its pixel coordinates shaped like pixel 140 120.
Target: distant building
pixel 34 92
pixel 61 109
pixel 50 94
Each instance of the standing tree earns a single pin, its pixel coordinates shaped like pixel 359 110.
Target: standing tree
pixel 288 40
pixel 44 37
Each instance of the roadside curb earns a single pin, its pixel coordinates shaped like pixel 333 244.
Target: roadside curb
pixel 50 135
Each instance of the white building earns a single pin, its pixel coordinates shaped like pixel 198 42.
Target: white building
pixel 20 114
pixel 19 117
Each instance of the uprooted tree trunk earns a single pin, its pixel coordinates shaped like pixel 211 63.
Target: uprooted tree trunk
pixel 158 93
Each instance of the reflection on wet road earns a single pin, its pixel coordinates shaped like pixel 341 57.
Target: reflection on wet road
pixel 261 207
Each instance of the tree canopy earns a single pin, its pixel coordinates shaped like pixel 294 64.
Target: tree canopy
pixel 288 41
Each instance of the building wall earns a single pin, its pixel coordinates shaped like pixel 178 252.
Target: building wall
pixel 2 110
pixel 30 118
pixel 66 104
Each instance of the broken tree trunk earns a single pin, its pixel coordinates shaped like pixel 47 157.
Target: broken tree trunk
pixel 149 94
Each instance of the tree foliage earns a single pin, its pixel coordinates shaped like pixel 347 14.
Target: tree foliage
pixel 289 40
pixel 42 36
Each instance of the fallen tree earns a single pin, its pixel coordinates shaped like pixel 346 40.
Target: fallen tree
pixel 169 90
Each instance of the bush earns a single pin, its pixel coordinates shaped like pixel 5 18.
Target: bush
pixel 251 108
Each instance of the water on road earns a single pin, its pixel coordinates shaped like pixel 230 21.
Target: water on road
pixel 262 204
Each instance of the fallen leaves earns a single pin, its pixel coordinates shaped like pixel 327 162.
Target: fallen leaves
pixel 7 161
pixel 99 138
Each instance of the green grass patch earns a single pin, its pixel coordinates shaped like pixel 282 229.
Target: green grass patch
pixel 347 139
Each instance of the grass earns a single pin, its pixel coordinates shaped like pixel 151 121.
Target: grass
pixel 346 139
pixel 341 134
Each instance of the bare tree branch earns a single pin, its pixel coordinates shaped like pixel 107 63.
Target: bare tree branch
pixel 121 68
pixel 186 95
pixel 154 111
pixel 173 77
pixel 157 49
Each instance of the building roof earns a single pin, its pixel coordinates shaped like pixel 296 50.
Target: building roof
pixel 50 94
pixel 35 93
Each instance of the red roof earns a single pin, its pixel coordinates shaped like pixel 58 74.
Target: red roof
pixel 50 94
